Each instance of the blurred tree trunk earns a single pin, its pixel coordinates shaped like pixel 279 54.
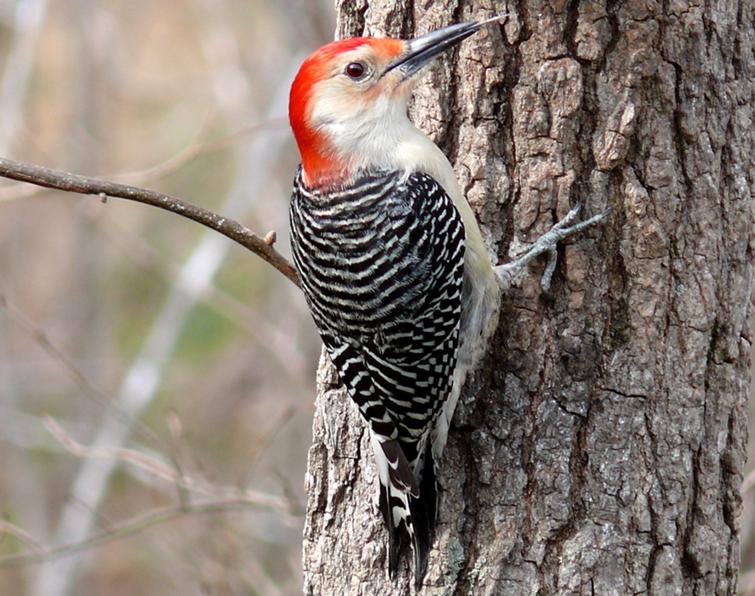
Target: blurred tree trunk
pixel 600 447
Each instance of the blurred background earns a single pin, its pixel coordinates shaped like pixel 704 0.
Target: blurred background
pixel 152 373
pixel 156 380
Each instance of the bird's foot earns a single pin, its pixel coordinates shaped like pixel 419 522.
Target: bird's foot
pixel 547 244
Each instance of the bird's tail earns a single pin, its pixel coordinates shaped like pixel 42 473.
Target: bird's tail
pixel 424 510
pixel 408 504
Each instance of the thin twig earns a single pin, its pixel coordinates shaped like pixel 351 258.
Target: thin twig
pixel 196 148
pixel 131 526
pixel 57 179
pixel 266 439
pixel 142 381
pixel 89 389
pixel 20 534
pixel 159 469
pixel 241 314
pixel 199 146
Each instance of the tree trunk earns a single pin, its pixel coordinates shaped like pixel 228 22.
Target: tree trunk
pixel 600 447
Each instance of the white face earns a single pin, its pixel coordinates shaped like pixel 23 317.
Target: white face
pixel 361 112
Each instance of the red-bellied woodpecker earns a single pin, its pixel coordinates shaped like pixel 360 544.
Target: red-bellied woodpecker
pixel 392 262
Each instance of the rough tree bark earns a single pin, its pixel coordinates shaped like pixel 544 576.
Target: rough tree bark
pixel 600 447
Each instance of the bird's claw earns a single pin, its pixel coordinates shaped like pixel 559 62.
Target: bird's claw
pixel 547 244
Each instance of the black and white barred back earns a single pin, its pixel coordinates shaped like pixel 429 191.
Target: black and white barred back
pixel 381 265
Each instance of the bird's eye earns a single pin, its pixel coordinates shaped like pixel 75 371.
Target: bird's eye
pixel 355 70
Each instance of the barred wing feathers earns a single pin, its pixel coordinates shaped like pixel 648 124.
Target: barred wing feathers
pixel 381 265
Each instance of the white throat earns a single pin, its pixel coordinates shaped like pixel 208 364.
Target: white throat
pixel 382 137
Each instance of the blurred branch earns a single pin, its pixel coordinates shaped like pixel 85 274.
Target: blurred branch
pixel 131 526
pixel 89 389
pixel 159 469
pixel 65 181
pixel 196 148
pixel 267 438
pixel 276 341
pixel 20 534
pixel 19 62
pixel 25 20
pixel 142 381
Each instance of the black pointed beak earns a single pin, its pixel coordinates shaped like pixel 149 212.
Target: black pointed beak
pixel 421 50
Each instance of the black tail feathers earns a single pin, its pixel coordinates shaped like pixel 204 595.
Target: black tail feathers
pixel 418 523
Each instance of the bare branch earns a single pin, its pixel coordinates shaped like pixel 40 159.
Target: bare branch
pixel 142 380
pixel 196 148
pixel 241 314
pixel 89 389
pixel 132 526
pixel 159 469
pixel 132 456
pixel 20 534
pixel 57 179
